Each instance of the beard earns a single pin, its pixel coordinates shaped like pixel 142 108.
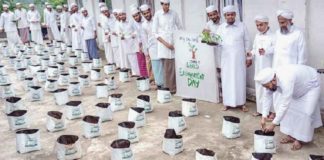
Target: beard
pixel 273 89
pixel 285 30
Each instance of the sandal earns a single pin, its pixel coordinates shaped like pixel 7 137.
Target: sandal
pixel 244 109
pixel 256 114
pixel 287 140
pixel 296 146
pixel 225 108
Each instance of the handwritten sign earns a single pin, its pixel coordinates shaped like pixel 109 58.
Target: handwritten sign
pixel 195 68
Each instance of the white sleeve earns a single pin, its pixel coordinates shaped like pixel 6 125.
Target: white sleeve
pixel 270 49
pixel 302 58
pixel 155 26
pixel 255 50
pixel 267 102
pixel 247 42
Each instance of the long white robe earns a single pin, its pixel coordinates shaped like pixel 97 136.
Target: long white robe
pixel 65 30
pixel 115 43
pixel 290 48
pixel 298 111
pixel 234 47
pixel 128 46
pixel 75 21
pixel 107 25
pixel 8 23
pixel 50 21
pixel 265 41
pixel 33 18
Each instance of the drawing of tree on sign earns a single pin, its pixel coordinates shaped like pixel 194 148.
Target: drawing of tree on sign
pixel 193 49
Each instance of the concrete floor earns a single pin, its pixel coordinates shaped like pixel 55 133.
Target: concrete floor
pixel 201 131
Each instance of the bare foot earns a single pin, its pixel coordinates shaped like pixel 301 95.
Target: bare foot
pixel 244 109
pixel 287 139
pixel 296 145
pixel 256 114
pixel 226 108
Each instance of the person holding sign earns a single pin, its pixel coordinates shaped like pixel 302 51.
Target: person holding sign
pixel 298 112
pixel 262 52
pixel 234 47
pixel 165 22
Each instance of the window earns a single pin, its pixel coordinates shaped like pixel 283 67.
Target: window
pixel 148 2
pixel 79 3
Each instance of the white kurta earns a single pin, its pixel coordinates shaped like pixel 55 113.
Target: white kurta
pixel 21 16
pixel 234 47
pixel 264 41
pixel 290 48
pixel 128 46
pixel 33 18
pixel 213 30
pixel 164 26
pixel 298 112
pixel 89 27
pixel 151 42
pixel 107 25
pixel 65 30
pixel 50 21
pixel 8 23
pixel 76 32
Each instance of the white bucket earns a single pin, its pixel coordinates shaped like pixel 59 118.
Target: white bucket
pixel 64 79
pixel 68 49
pixel 116 102
pixel 102 90
pixel 13 104
pixel 35 93
pixel 18 119
pixel 84 80
pixel 68 147
pixel 50 85
pixel 176 121
pixel 29 81
pixel 73 72
pixel 60 67
pixel 264 142
pixel 164 95
pixel 110 81
pixel 104 112
pixel 231 127
pixel 41 76
pixel 55 121
pixel 121 150
pixel 96 74
pixel 45 63
pixel 96 63
pixel 109 68
pixel 124 75
pixel 21 73
pixel 91 126
pixel 78 52
pixel 86 66
pixel 137 115
pixel 61 96
pixel 28 140
pixel 52 71
pixel 73 110
pixel 73 60
pixel 35 68
pixel 19 64
pixel 61 57
pixel 127 130
pixel 85 56
pixel 2 70
pixel 172 143
pixel 189 107
pixel 53 59
pixel 75 89
pixel 205 154
pixel 7 90
pixel 143 101
pixel 4 79
pixel 143 84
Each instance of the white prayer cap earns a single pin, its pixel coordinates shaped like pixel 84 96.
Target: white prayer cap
pixel 83 9
pixel 101 4
pixel 144 7
pixel 261 18
pixel 31 5
pixel 134 11
pixel 114 10
pixel 120 11
pixel 229 9
pixel 17 4
pixel 211 8
pixel 65 5
pixel 49 6
pixel 165 1
pixel 104 8
pixel 265 75
pixel 73 5
pixel 286 14
pixel 5 6
pixel 46 3
pixel 59 7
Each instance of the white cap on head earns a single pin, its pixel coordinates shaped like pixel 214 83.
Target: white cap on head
pixel 83 9
pixel 65 5
pixel 104 8
pixel 165 1
pixel 120 11
pixel 144 7
pixel 5 6
pixel 17 4
pixel 265 75
pixel 31 5
pixel 229 9
pixel 49 6
pixel 134 10
pixel 46 3
pixel 261 18
pixel 101 4
pixel 114 10
pixel 211 8
pixel 59 7
pixel 286 14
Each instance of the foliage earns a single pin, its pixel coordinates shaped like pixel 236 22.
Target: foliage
pixel 210 38
pixel 55 3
